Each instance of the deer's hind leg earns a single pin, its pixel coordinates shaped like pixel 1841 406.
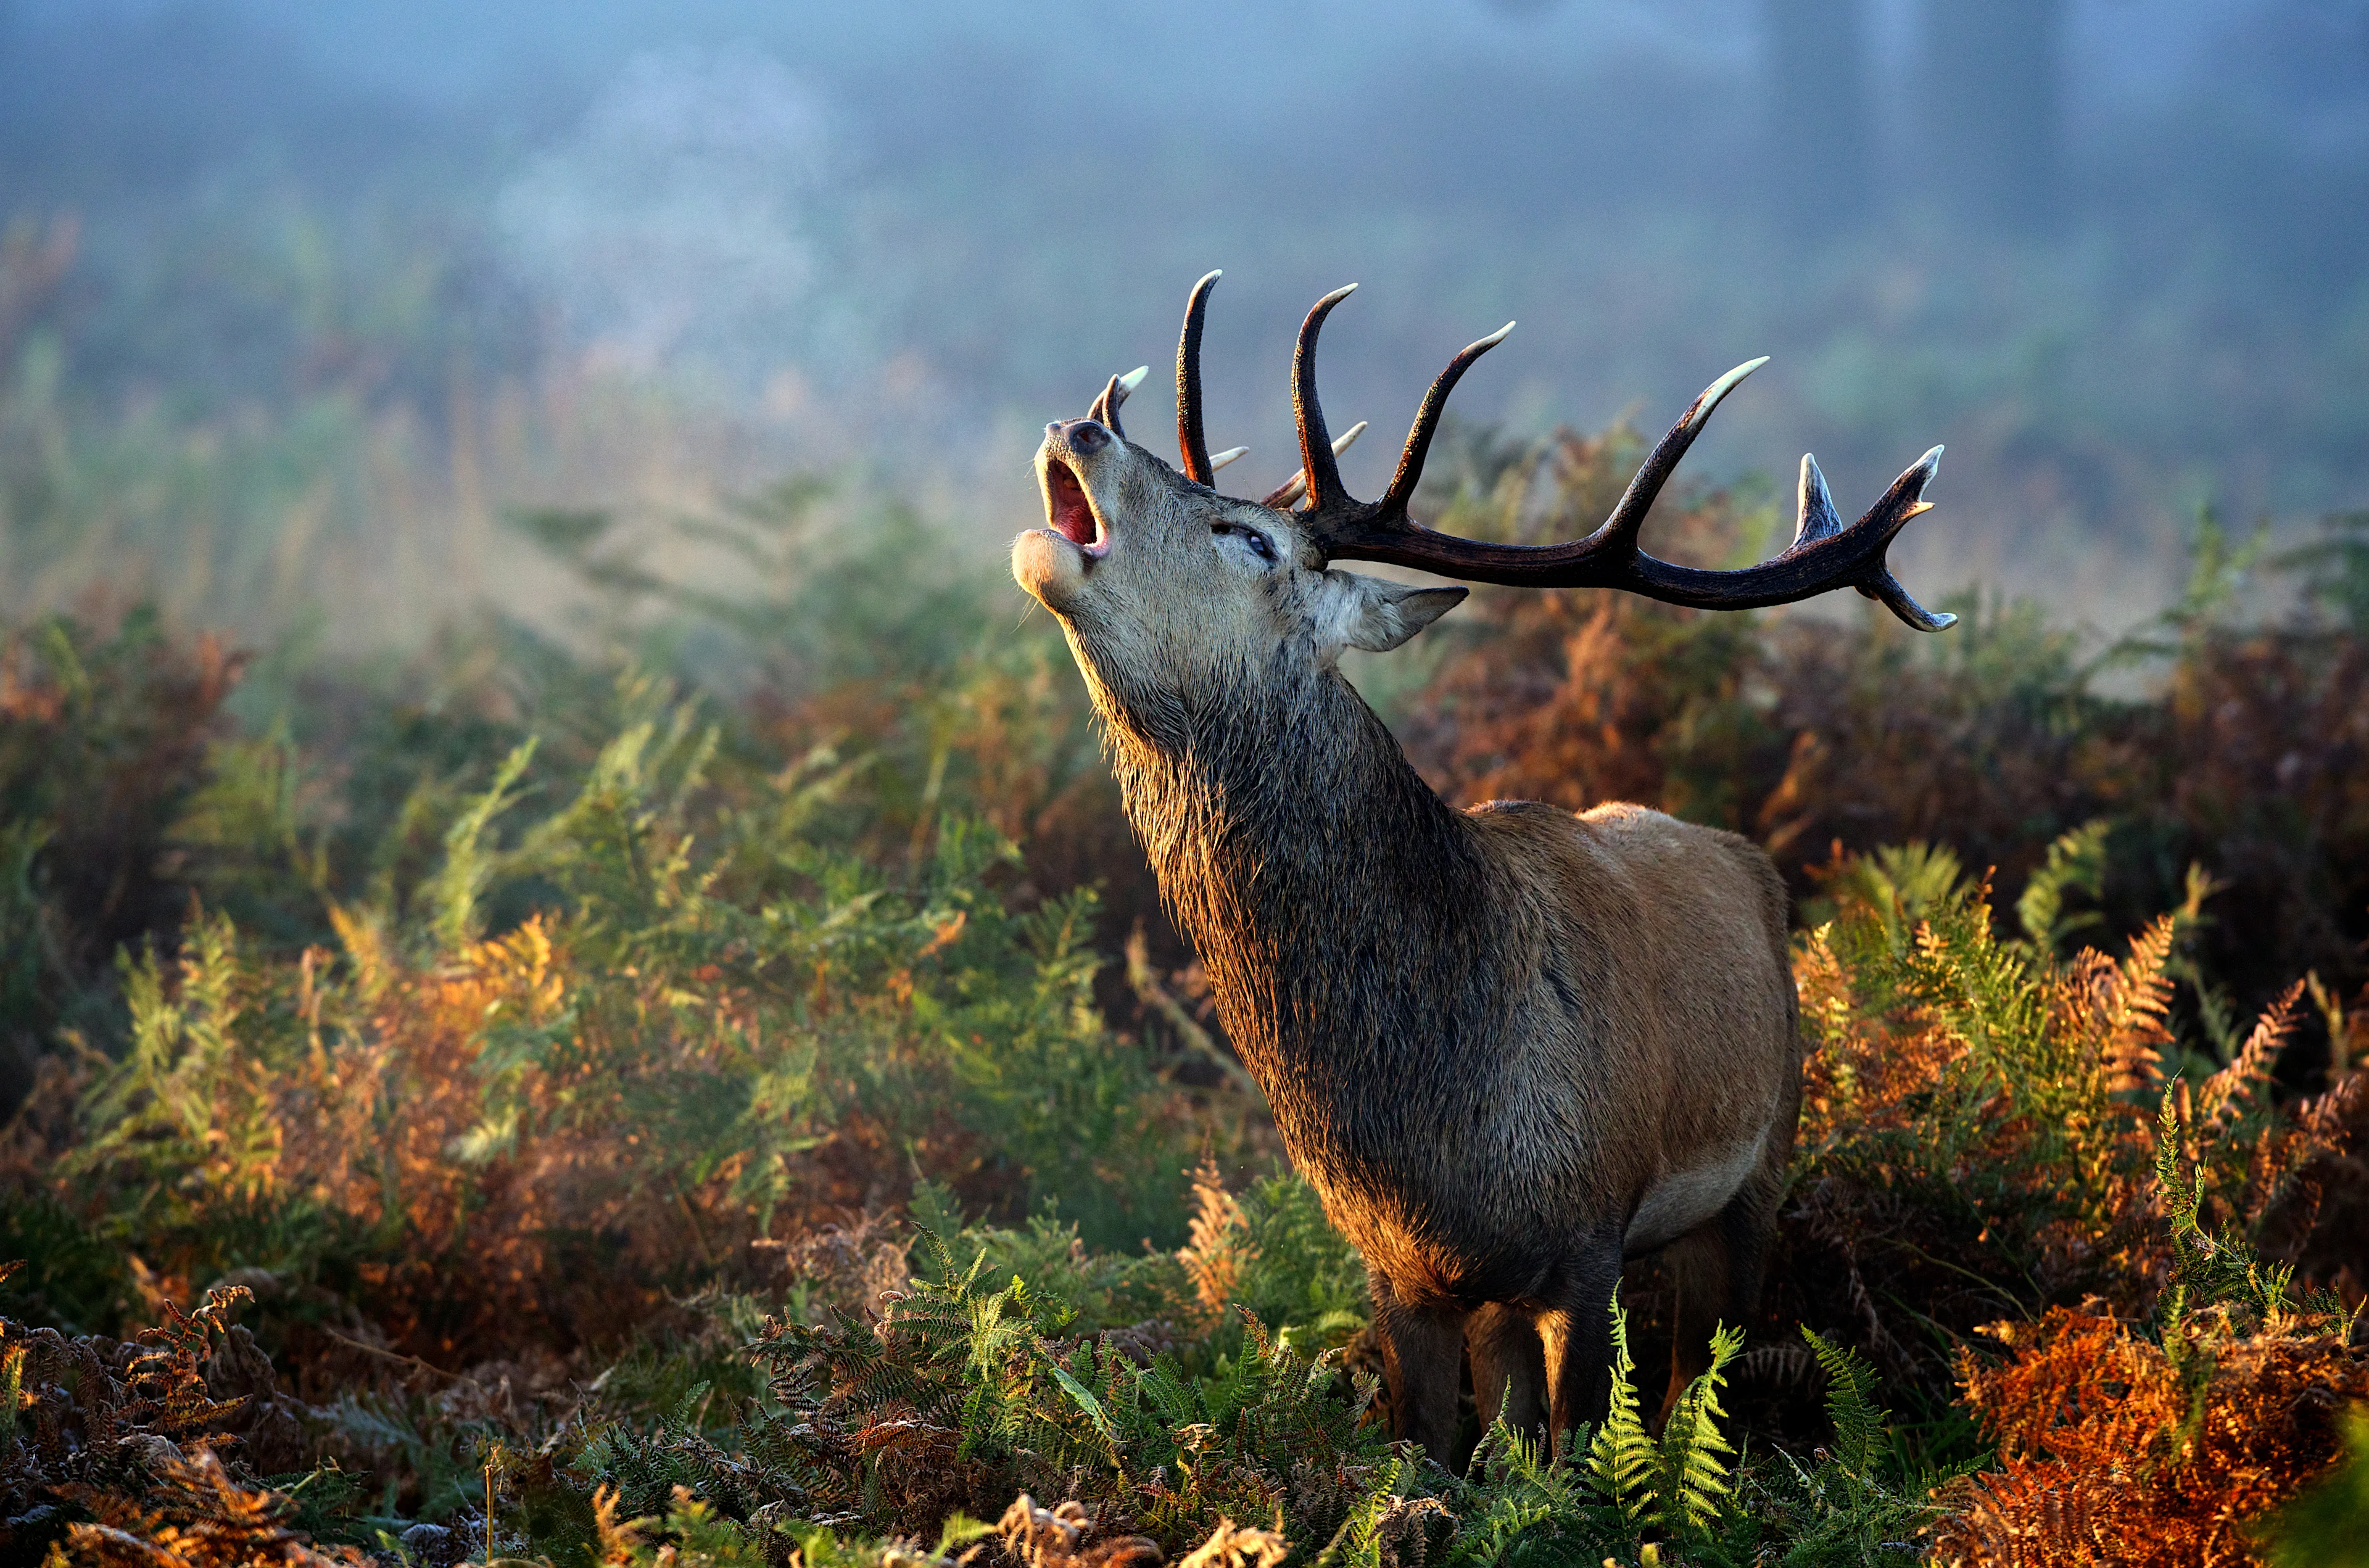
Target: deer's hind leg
pixel 1423 1359
pixel 1576 1336
pixel 1715 1271
pixel 1509 1367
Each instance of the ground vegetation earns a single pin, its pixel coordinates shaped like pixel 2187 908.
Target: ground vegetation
pixel 553 1102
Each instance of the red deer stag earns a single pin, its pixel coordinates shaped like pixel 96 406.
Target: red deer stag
pixel 1510 1046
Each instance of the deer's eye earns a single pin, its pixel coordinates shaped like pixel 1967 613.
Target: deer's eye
pixel 1260 545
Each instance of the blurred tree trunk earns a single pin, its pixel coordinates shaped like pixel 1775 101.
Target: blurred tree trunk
pixel 1992 95
pixel 1815 107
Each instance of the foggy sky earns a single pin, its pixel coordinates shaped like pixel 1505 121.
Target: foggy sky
pixel 948 222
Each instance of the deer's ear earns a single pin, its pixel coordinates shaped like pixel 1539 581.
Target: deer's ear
pixel 1375 614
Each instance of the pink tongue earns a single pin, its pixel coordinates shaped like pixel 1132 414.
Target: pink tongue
pixel 1072 516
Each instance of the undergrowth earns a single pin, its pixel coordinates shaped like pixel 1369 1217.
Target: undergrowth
pixel 2145 1386
pixel 635 1123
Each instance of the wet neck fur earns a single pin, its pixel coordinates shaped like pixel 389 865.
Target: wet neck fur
pixel 1327 889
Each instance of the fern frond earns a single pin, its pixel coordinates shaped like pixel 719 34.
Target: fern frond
pixel 1692 1472
pixel 2224 1095
pixel 1622 1459
pixel 2076 862
pixel 2215 1267
pixel 1850 1402
pixel 1215 1250
pixel 468 871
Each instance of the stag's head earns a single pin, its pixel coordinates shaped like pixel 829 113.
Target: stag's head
pixel 1161 581
pixel 1164 584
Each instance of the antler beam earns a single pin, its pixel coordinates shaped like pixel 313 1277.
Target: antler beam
pixel 1192 443
pixel 1823 556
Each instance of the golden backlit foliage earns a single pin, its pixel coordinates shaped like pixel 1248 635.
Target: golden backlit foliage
pixel 534 1137
pixel 1978 1131
pixel 522 1076
pixel 2157 1389
pixel 2116 1450
pixel 132 1437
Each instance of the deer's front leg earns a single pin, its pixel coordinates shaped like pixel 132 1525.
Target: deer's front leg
pixel 1423 1359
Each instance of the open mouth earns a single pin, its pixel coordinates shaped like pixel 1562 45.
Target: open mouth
pixel 1068 513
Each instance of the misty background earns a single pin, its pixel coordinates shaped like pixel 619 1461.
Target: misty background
pixel 298 301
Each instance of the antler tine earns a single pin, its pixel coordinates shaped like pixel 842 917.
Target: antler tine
pixel 1105 407
pixel 1427 423
pixel 1291 490
pixel 1904 500
pixel 1823 555
pixel 1191 445
pixel 1316 460
pixel 1816 517
pixel 1646 486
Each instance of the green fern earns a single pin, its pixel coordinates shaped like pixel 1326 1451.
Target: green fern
pixel 1843 1508
pixel 1899 886
pixel 2075 863
pixel 1622 1462
pixel 1510 1507
pixel 2215 1267
pixel 1358 1542
pixel 1859 1424
pixel 1525 1505
pixel 1302 1276
pixel 1692 1471
pixel 468 870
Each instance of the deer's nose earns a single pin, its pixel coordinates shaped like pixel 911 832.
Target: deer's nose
pixel 1085 435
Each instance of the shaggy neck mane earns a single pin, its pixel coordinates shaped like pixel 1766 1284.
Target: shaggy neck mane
pixel 1285 826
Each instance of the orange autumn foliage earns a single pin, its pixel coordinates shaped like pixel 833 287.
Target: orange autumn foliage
pixel 2114 1451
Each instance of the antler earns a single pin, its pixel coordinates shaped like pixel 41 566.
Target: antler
pixel 1104 409
pixel 1191 444
pixel 1823 555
